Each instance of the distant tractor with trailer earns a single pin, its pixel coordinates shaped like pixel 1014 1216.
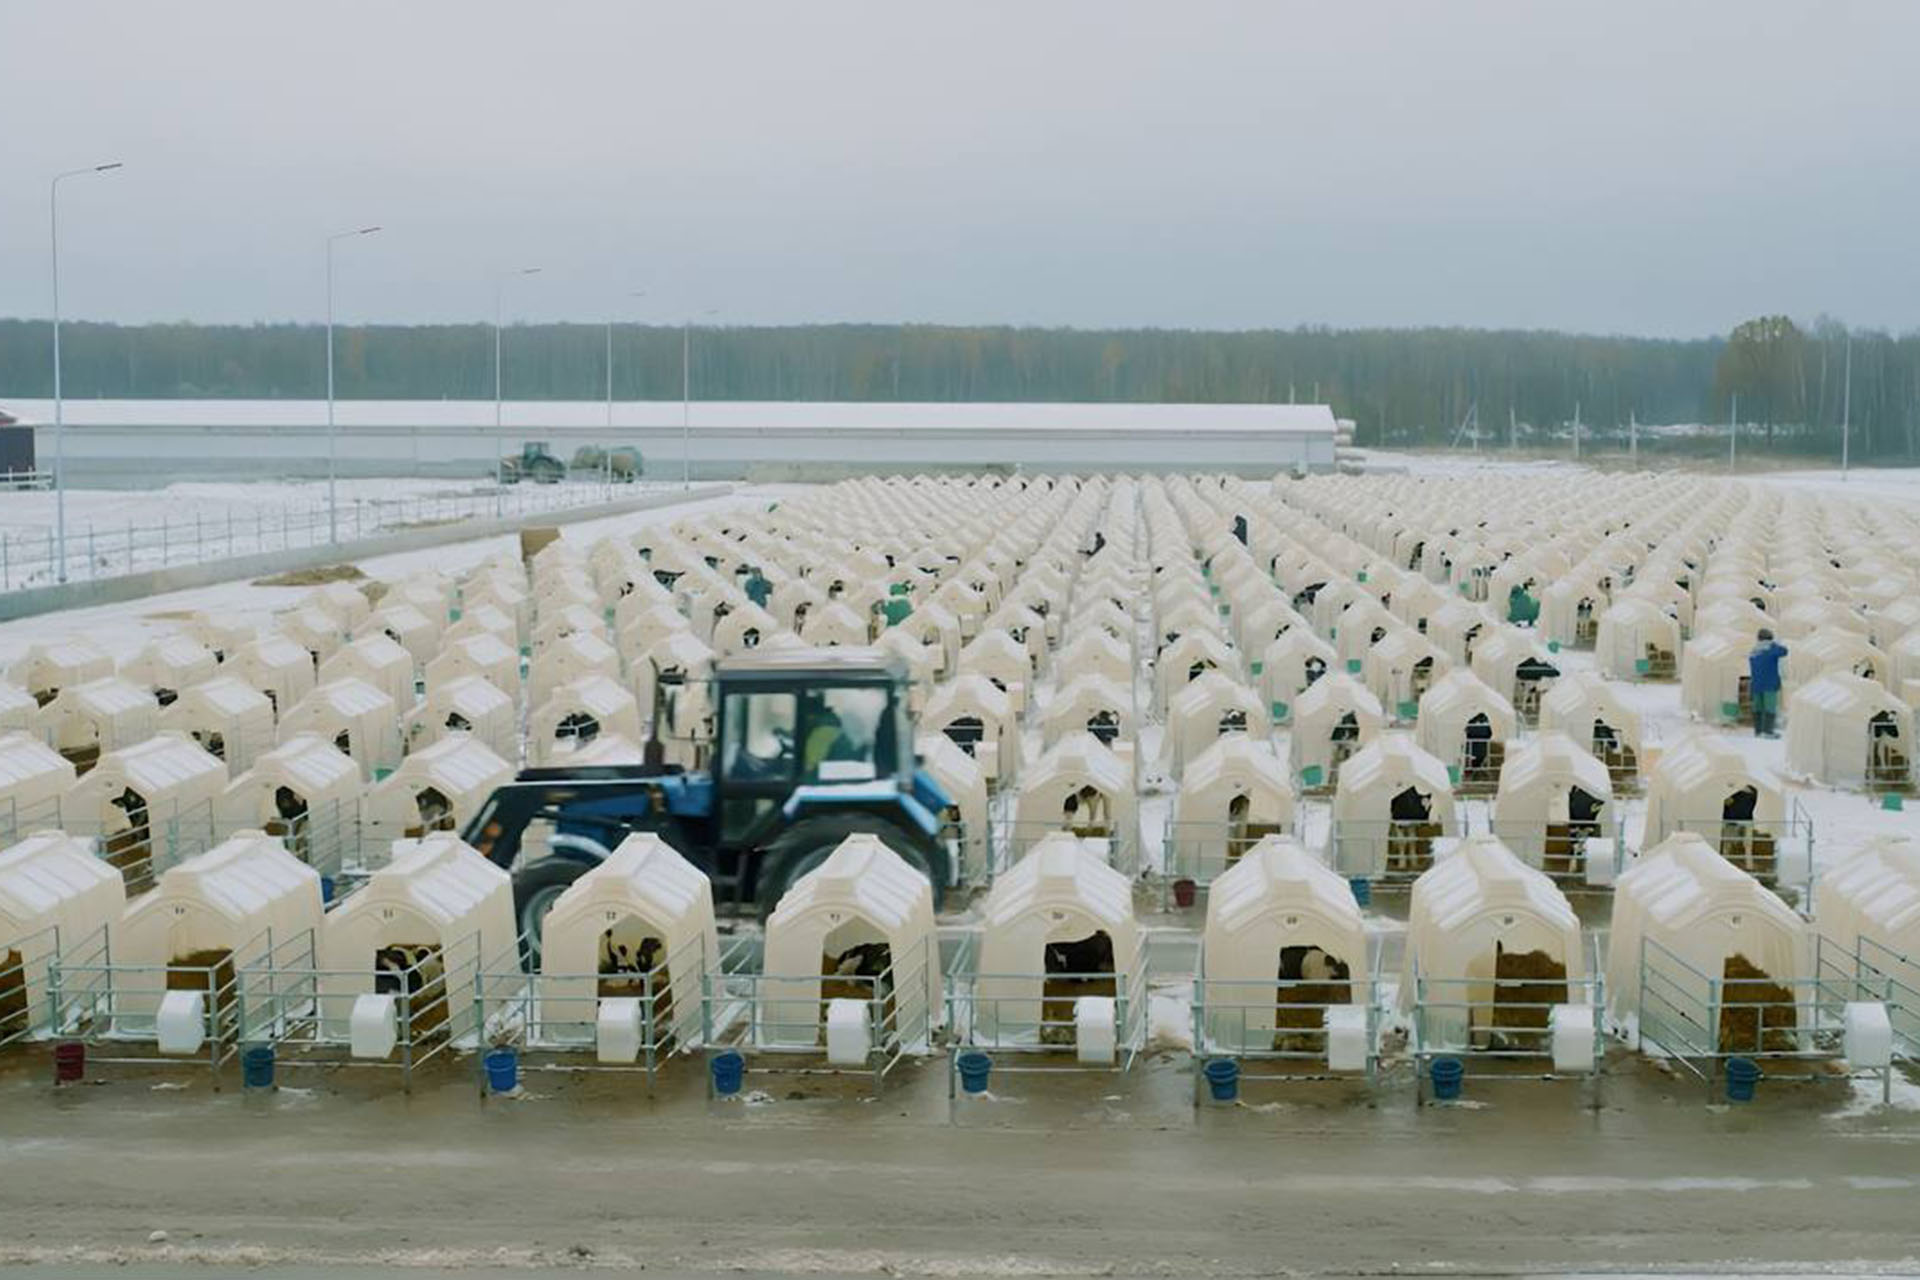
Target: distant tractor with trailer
pixel 810 746
pixel 535 462
pixel 620 465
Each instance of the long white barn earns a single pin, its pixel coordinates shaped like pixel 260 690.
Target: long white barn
pixel 122 441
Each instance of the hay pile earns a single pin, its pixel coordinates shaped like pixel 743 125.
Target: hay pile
pixel 317 576
pixel 1756 1013
pixel 1527 984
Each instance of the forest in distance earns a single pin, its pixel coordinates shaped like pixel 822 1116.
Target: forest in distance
pixel 1402 387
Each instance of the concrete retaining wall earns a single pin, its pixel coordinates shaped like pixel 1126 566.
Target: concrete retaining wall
pixel 138 586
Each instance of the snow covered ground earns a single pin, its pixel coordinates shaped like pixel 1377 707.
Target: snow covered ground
pixel 122 629
pixel 111 531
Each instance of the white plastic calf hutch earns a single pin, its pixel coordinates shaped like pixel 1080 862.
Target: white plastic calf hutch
pixel 1393 801
pixel 578 712
pixel 1290 666
pixel 149 805
pixel 486 656
pixel 229 718
pixel 353 715
pixel 277 667
pixel 1638 641
pixel 45 669
pixel 636 928
pixel 1518 667
pixel 1468 726
pixel 306 791
pixel 1589 710
pixel 318 632
pixel 856 929
pixel 1493 950
pixel 1868 919
pixel 381 662
pixel 1284 947
pixel 1847 731
pixel 978 717
pixel 101 715
pixel 1091 704
pixel 178 949
pixel 469 705
pixel 170 664
pixel 1702 957
pixel 1060 961
pixel 343 600
pixel 1208 708
pixel 57 900
pixel 1233 795
pixel 965 784
pixel 1079 786
pixel 1401 668
pixel 1705 785
pixel 408 627
pixel 569 659
pixel 18 710
pixel 437 788
pixel 1554 799
pixel 1331 722
pixel 33 779
pixel 1713 677
pixel 414 938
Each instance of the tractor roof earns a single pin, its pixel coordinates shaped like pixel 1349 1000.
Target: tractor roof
pixel 856 663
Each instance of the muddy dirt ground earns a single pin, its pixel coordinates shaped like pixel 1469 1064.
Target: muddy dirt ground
pixel 342 1173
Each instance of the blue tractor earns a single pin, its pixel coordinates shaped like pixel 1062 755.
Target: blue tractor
pixel 810 746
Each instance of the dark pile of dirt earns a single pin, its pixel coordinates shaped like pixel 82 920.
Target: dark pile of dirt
pixel 319 575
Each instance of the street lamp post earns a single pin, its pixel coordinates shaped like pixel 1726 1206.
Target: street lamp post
pixel 686 401
pixel 59 408
pixel 499 293
pixel 333 438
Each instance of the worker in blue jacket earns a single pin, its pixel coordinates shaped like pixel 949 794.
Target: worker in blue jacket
pixel 1763 682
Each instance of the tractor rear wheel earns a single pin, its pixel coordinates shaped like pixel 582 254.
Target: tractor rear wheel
pixel 808 843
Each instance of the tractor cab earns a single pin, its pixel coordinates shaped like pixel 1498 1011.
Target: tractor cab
pixel 811 746
pixel 798 727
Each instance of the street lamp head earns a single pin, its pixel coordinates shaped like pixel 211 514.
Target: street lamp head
pixel 531 271
pixel 103 168
pixel 366 231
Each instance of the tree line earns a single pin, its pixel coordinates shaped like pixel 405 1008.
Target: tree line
pixel 1401 386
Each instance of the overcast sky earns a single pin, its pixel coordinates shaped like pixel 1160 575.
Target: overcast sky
pixel 1660 168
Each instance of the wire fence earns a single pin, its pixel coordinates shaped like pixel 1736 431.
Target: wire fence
pixel 96 550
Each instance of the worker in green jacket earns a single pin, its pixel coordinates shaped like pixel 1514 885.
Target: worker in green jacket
pixel 1522 609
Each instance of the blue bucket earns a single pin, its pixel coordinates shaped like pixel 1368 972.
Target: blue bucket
pixel 256 1066
pixel 326 889
pixel 1362 892
pixel 729 1069
pixel 1223 1078
pixel 1742 1075
pixel 503 1070
pixel 1447 1074
pixel 974 1068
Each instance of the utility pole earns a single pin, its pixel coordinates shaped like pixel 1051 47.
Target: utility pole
pixel 1846 412
pixel 333 433
pixel 1576 431
pixel 1633 438
pixel 1513 428
pixel 59 404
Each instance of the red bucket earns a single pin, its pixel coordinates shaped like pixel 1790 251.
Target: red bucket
pixel 1183 892
pixel 69 1062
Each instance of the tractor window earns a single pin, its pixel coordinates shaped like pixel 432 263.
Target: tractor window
pixel 844 735
pixel 759 736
